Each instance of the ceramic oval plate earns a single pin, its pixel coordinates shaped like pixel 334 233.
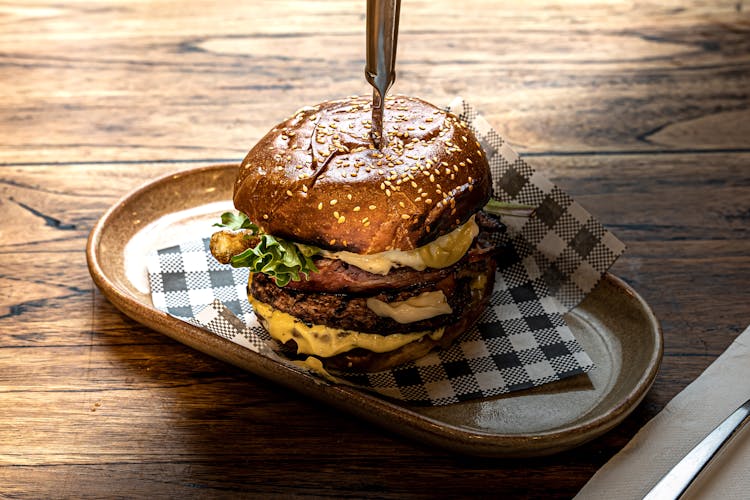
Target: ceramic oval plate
pixel 613 324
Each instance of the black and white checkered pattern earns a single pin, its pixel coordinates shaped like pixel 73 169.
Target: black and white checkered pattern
pixel 521 341
pixel 564 243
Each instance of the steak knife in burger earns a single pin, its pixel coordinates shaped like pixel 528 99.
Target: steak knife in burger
pixel 364 257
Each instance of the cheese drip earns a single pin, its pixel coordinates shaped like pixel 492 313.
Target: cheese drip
pixel 445 251
pixel 326 341
pixel 423 306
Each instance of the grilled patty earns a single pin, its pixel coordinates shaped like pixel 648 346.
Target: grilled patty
pixel 349 311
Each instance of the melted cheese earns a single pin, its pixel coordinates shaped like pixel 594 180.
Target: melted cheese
pixel 423 306
pixel 443 252
pixel 326 341
pixel 479 282
pixel 315 365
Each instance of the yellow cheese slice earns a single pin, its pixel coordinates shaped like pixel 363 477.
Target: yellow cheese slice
pixel 423 306
pixel 326 341
pixel 443 252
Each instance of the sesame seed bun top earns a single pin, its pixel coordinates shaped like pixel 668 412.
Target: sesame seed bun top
pixel 317 178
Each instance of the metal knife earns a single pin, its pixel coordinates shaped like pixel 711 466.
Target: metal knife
pixel 380 72
pixel 682 475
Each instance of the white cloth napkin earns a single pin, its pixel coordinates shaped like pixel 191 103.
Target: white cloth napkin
pixel 684 422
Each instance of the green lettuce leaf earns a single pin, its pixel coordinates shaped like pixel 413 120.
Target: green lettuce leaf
pixel 283 260
pixel 237 221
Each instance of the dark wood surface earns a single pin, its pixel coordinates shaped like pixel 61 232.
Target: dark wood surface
pixel 641 110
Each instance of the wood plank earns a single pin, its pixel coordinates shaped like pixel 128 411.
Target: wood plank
pixel 639 109
pixel 154 82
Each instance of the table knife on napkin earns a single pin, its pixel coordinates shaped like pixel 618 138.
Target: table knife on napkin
pixel 682 475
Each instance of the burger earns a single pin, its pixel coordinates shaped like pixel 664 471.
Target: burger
pixel 364 257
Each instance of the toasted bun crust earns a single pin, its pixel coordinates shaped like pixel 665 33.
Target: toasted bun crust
pixel 317 178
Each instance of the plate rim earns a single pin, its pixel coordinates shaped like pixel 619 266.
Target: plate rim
pixel 399 417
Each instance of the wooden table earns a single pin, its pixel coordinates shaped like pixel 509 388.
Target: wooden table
pixel 641 110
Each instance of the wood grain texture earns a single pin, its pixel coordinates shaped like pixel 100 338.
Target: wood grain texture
pixel 640 110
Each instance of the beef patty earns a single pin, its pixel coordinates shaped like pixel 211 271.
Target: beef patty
pixel 349 311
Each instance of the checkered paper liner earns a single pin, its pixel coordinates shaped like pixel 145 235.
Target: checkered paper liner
pixel 521 341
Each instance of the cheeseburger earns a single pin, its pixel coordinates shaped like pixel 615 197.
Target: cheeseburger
pixel 365 258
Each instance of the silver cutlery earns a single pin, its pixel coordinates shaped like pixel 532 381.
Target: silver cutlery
pixel 682 475
pixel 382 35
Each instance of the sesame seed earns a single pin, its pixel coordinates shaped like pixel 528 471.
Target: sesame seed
pixel 288 193
pixel 332 242
pixel 265 216
pixel 413 184
pixel 428 201
pixel 333 202
pixel 336 215
pixel 365 220
pixel 341 219
pixel 304 188
pixel 401 204
pixel 405 216
pixel 356 209
pixel 320 206
pixel 469 160
pixel 372 207
pixel 432 178
pixel 388 192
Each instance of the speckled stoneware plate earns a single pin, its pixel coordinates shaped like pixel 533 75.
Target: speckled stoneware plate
pixel 614 325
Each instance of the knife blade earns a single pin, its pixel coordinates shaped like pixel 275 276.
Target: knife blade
pixel 682 475
pixel 380 72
